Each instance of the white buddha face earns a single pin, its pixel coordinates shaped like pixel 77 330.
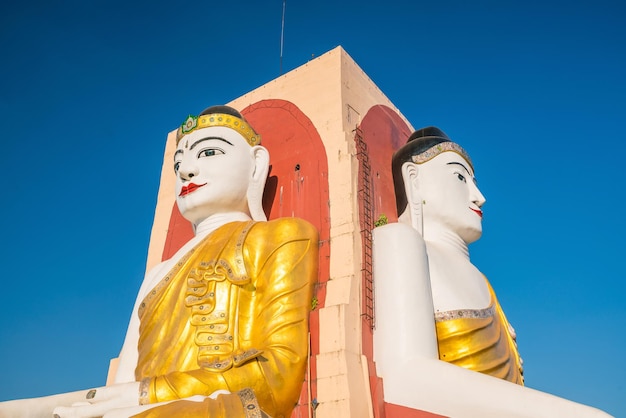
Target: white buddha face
pixel 450 194
pixel 214 168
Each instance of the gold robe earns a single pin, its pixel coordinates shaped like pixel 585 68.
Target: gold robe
pixel 480 340
pixel 231 315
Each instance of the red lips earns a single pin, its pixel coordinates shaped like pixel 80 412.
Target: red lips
pixel 191 187
pixel 478 212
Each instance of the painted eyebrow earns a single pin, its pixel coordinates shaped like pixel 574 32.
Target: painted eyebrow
pixel 454 162
pixel 180 151
pixel 208 138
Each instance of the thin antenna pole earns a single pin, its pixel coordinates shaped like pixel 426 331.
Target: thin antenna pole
pixel 282 37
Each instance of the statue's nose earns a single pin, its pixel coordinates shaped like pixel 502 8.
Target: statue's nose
pixel 477 197
pixel 187 171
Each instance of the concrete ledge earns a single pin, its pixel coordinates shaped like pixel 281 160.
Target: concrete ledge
pixel 338 291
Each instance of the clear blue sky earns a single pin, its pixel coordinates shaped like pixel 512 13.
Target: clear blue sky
pixel 534 90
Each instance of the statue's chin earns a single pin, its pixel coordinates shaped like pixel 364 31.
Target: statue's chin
pixel 471 235
pixel 189 215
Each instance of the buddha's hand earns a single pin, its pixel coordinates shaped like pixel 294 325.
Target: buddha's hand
pixel 102 400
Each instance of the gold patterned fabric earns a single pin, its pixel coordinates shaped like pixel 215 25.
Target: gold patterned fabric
pixel 231 315
pixel 242 404
pixel 480 340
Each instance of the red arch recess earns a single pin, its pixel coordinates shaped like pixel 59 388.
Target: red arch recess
pixel 297 186
pixel 384 131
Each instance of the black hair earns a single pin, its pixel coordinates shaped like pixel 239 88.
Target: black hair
pixel 227 110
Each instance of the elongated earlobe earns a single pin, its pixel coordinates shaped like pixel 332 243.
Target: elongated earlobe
pixel 257 182
pixel 413 197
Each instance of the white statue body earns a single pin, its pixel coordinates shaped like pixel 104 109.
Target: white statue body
pixel 220 178
pixel 422 268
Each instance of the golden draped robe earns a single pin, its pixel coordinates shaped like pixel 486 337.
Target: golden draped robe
pixel 480 340
pixel 231 315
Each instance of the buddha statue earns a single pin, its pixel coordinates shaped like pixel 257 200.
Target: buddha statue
pixel 221 328
pixel 442 342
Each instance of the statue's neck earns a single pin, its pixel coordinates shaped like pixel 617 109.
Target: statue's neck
pixel 213 222
pixel 438 235
pixel 445 239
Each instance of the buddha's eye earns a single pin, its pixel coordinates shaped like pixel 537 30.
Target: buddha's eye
pixel 461 177
pixel 209 152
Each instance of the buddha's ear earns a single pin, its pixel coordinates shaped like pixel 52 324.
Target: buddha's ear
pixel 413 197
pixel 409 178
pixel 261 158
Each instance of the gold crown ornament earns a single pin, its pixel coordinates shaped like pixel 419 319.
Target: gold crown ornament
pixel 218 119
pixel 435 150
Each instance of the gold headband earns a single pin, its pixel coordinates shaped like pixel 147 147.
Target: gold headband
pixel 218 119
pixel 435 150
